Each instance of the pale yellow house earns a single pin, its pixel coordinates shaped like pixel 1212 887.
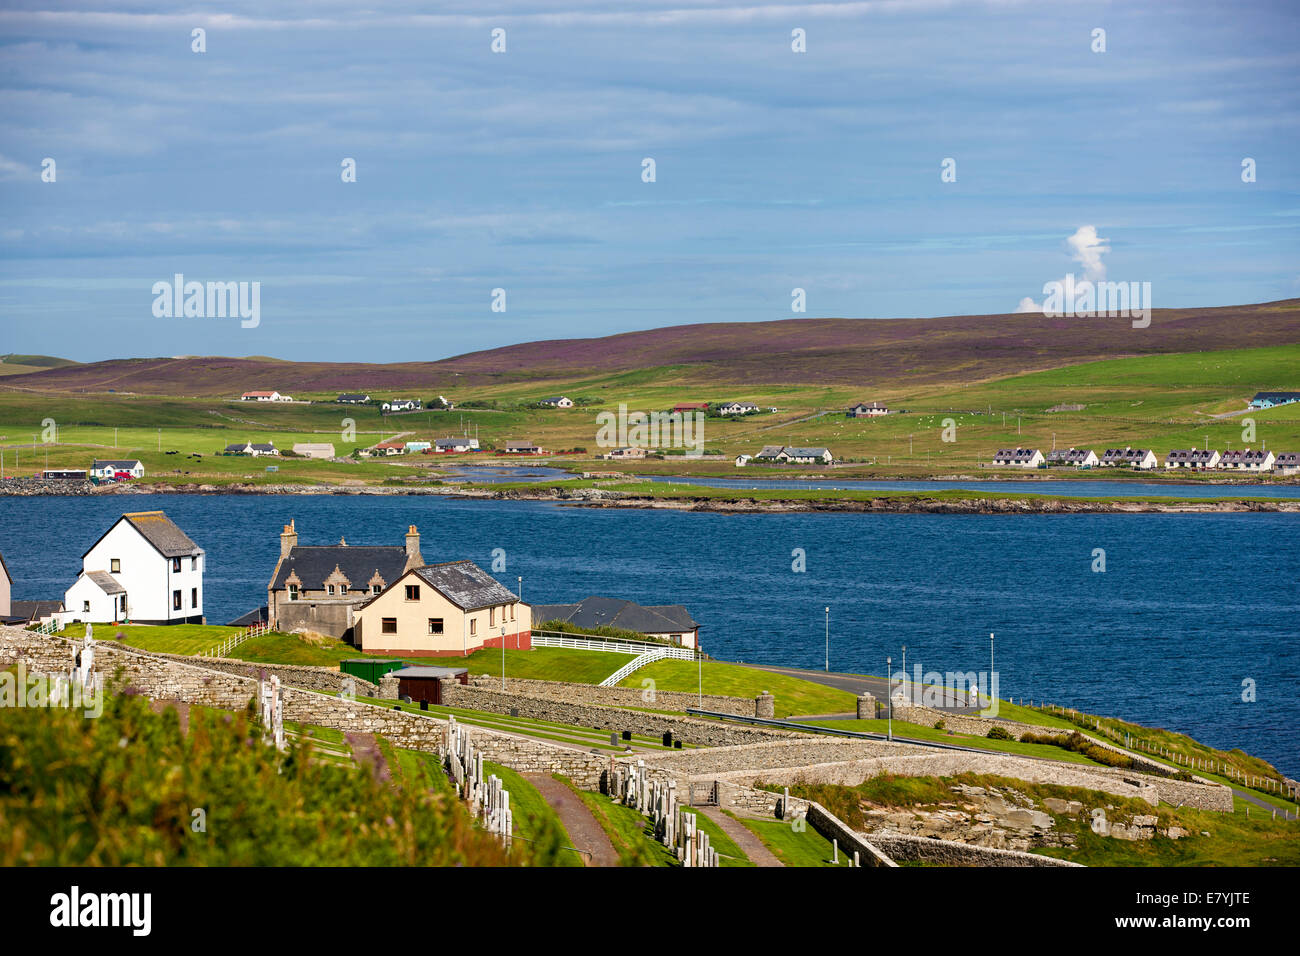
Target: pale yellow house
pixel 442 610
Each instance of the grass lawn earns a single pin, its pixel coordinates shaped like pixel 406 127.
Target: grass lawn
pixel 793 695
pixel 545 663
pixel 535 819
pixel 166 639
pixel 729 853
pixel 627 830
pixel 808 848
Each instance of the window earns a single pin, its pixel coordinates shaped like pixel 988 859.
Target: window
pixel 343 589
pixel 473 625
pixel 293 592
pixel 176 564
pixel 115 565
pixel 176 600
pixel 389 625
pixel 413 592
pixel 194 563
pixel 123 605
pixel 85 606
pixel 374 589
pixel 330 589
pixel 194 597
pixel 492 616
pixel 435 625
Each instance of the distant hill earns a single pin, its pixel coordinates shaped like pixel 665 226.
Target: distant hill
pixel 16 364
pixel 954 349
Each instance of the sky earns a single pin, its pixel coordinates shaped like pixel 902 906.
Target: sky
pixel 524 170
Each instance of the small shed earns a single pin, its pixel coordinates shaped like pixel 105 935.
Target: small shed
pixel 369 668
pixel 425 683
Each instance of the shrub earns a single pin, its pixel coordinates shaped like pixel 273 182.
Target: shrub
pixel 999 733
pixel 940 725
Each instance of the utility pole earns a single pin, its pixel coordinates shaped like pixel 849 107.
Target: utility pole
pixel 889 693
pixel 905 690
pixel 828 639
pixel 990 670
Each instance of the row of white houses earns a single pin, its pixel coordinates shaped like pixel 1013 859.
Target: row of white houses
pixel 1144 459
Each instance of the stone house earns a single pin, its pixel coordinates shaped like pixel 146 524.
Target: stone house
pixel 320 587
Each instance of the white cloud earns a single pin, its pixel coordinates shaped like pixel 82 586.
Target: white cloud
pixel 1087 248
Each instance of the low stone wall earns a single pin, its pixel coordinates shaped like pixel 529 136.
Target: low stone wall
pixel 163 678
pixel 620 696
pixel 954 853
pixel 325 679
pixel 752 760
pixel 932 763
pixel 980 726
pixel 849 840
pixel 690 730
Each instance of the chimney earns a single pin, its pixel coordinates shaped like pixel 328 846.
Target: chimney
pixel 413 557
pixel 288 540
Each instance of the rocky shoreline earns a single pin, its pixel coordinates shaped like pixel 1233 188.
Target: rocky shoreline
pixel 610 498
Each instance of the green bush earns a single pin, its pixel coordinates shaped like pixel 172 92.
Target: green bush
pixel 122 790
pixel 999 733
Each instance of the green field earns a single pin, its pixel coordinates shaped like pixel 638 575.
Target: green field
pixel 793 695
pixel 1161 401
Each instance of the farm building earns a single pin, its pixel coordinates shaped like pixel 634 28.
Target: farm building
pixel 520 447
pixel 691 407
pixel 65 474
pixel 311 449
pixel 557 401
pixel 402 405
pixel 352 398
pixel 263 396
pixel 442 610
pixel 1287 463
pixel 737 408
pixel 453 445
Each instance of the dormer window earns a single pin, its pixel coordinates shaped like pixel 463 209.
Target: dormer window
pixel 293 592
pixel 329 589
pixel 343 589
pixel 374 589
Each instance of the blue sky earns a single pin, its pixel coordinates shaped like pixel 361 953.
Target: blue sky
pixel 522 170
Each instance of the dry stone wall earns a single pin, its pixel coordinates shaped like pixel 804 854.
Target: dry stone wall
pixel 687 729
pixel 620 696
pixel 953 853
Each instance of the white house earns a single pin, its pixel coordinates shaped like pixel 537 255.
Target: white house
pixel 867 410
pixel 737 408
pixel 143 569
pixel 6 589
pixel 1192 458
pixel 1287 463
pixel 402 405
pixel 558 401
pixel 1247 460
pixel 453 445
pixel 1077 457
pixel 1143 459
pixel 260 396
pixel 109 467
pixel 743 460
pixel 1018 458
pixel 238 448
pixel 807 456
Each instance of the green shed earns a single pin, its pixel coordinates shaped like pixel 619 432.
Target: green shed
pixel 369 668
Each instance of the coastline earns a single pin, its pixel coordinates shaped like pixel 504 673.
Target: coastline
pixel 773 501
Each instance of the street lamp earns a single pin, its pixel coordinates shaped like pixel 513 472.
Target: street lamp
pixel 503 657
pixel 828 639
pixel 990 671
pixel 889 693
pixel 905 690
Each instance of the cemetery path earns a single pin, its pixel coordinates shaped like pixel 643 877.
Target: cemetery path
pixel 366 752
pixel 182 711
pixel 587 834
pixel 743 836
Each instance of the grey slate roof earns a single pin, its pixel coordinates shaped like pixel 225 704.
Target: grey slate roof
pixel 616 612
pixel 121 464
pixel 34 610
pixel 466 585
pixel 314 563
pixel 160 531
pixel 256 616
pixel 807 452
pixel 106 582
pixel 423 671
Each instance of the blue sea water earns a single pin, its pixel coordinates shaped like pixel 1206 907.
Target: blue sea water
pixel 1188 608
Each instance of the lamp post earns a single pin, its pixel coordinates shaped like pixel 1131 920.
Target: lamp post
pixel 905 690
pixel 889 693
pixel 503 657
pixel 990 671
pixel 521 601
pixel 828 639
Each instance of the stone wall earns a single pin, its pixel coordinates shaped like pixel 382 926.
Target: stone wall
pixel 788 752
pixel 325 679
pixel 687 729
pixel 164 678
pixel 932 763
pixel 980 726
pixel 620 696
pixel 953 853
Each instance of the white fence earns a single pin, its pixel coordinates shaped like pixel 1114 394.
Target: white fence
pixel 229 644
pixel 633 665
pixel 585 643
